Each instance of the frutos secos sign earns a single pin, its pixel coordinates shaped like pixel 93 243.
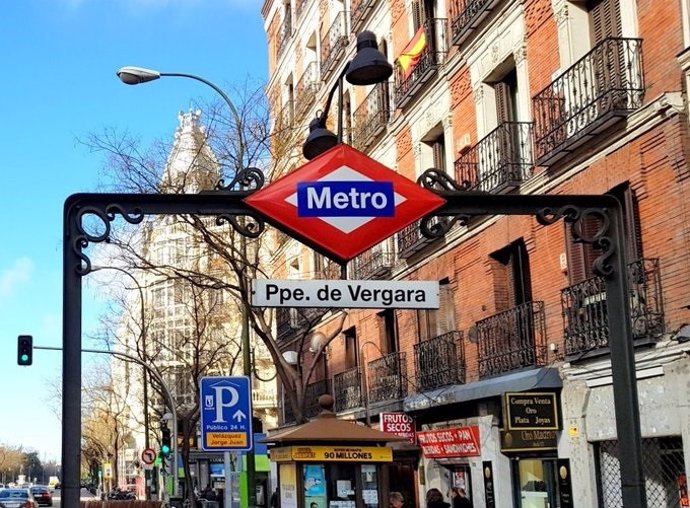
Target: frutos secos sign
pixel 399 424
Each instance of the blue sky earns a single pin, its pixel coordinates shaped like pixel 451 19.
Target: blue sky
pixel 59 59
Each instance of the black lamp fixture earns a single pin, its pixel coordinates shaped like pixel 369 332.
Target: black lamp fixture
pixel 369 66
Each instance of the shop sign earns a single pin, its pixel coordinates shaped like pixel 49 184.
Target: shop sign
pixel 399 424
pixel 531 411
pixel 332 454
pixel 489 490
pixel 565 487
pixel 528 440
pixel 456 442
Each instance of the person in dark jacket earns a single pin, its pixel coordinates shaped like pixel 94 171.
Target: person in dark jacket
pixel 434 499
pixel 459 498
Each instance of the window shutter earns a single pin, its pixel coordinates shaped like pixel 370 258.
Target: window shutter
pixel 502 92
pixel 439 153
pixel 606 19
pixel 417 14
pixel 580 255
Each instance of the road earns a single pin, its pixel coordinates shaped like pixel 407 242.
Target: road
pixel 84 495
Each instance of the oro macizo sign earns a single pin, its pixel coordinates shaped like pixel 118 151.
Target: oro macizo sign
pixel 344 202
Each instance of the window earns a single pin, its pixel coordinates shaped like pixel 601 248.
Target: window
pixel 435 322
pixel 388 331
pixel 350 339
pixel 433 149
pixel 510 267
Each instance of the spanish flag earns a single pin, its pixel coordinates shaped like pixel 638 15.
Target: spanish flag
pixel 412 52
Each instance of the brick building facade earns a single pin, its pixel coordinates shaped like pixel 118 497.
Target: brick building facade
pixel 532 96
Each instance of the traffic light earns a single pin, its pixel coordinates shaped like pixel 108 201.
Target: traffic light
pixel 165 441
pixel 25 350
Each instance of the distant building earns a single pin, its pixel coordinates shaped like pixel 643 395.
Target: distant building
pixel 535 96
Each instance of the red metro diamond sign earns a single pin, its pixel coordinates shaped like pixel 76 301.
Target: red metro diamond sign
pixel 344 202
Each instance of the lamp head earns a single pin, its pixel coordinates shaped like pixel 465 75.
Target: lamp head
pixel 319 140
pixel 369 66
pixel 136 75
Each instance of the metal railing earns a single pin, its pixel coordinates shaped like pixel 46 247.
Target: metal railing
pixel 360 10
pixel 374 263
pixel 329 270
pixel 585 313
pixel 305 91
pixel 371 117
pixel 311 401
pixel 604 85
pixel 512 340
pixel 284 36
pixel 466 15
pixel 440 361
pixel 501 160
pixel 347 389
pixel 290 321
pixel 387 378
pixel 333 44
pixel 300 5
pixel 411 240
pixel 409 83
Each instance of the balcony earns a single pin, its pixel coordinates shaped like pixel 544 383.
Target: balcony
pixel 306 90
pixel 264 399
pixel 512 340
pixel 501 161
pixel 284 36
pixel 290 321
pixel 600 89
pixel 585 314
pixel 373 264
pixel 327 270
pixel 360 11
pixel 387 378
pixel 347 389
pixel 408 83
pixel 300 5
pixel 371 118
pixel 333 45
pixel 311 401
pixel 440 361
pixel 411 240
pixel 467 15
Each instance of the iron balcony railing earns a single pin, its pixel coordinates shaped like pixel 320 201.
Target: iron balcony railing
pixel 312 393
pixel 411 240
pixel 284 36
pixel 409 83
pixel 333 44
pixel 600 88
pixel 305 91
pixel 512 340
pixel 466 15
pixel 360 11
pixel 292 320
pixel 387 378
pixel 300 5
pixel 329 270
pixel 585 313
pixel 440 361
pixel 502 160
pixel 262 398
pixel 375 263
pixel 371 117
pixel 347 389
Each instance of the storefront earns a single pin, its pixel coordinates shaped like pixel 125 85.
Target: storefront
pixel 331 463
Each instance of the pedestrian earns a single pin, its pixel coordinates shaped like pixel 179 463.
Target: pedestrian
pixel 434 499
pixel 460 499
pixel 275 498
pixel 395 500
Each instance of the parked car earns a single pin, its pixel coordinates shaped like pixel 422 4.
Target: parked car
pixel 42 495
pixel 17 498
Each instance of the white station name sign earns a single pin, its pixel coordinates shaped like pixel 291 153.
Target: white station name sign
pixel 362 294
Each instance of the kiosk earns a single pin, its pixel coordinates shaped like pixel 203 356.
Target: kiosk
pixel 331 463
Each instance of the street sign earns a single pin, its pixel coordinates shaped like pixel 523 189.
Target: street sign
pixel 226 413
pixel 344 202
pixel 361 294
pixel 148 455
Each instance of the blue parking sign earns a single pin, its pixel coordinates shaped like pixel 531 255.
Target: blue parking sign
pixel 226 413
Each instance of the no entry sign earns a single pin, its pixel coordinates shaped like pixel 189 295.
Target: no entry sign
pixel 344 202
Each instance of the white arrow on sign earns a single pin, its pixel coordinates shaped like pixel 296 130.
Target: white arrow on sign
pixel 148 456
pixel 239 415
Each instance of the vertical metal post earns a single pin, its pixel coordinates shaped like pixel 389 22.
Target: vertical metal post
pixel 623 372
pixel 71 360
pixel 147 472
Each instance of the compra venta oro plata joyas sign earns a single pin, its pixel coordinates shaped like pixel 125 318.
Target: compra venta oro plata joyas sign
pixel 343 202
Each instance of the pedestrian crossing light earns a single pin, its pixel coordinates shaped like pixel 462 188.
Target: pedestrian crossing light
pixel 165 441
pixel 25 350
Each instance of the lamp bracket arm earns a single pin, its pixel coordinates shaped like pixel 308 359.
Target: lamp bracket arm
pixel 338 84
